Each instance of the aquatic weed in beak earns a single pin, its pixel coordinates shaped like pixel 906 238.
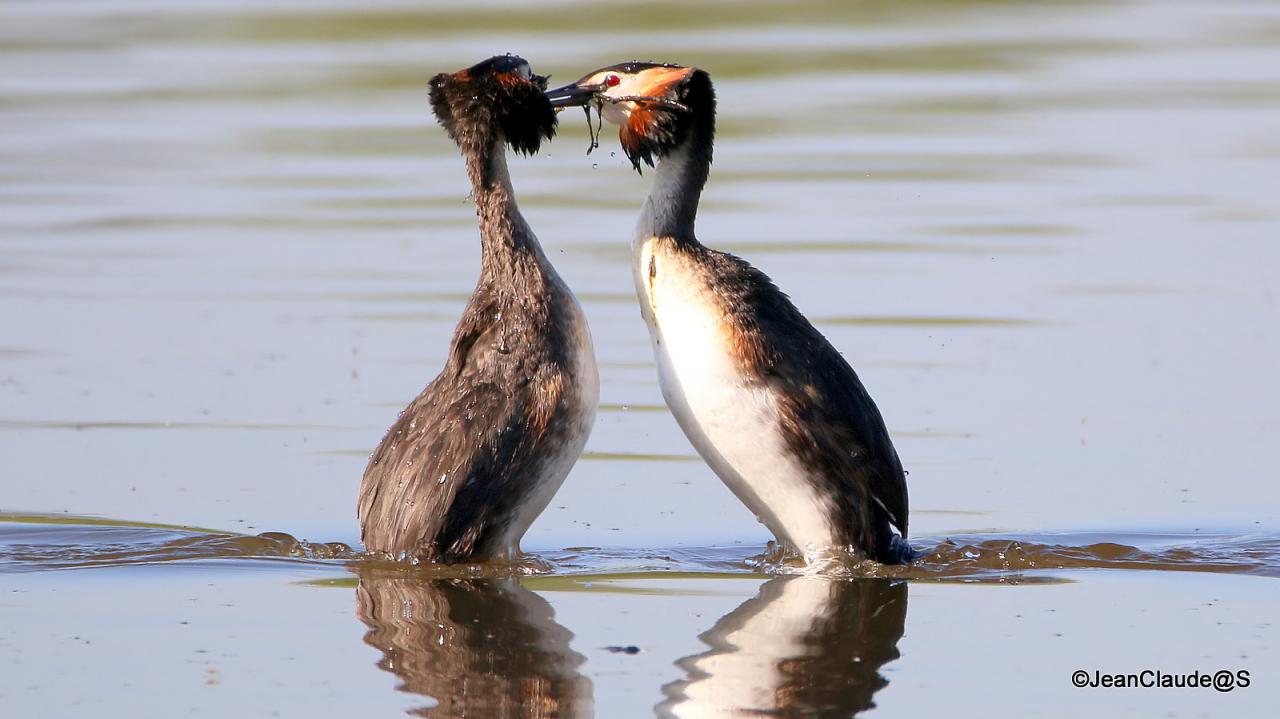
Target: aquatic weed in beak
pixel 594 132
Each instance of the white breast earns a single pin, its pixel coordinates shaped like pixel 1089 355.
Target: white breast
pixel 732 423
pixel 578 429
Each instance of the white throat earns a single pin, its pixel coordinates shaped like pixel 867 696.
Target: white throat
pixel 666 193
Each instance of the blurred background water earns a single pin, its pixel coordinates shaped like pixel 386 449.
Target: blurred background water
pixel 233 244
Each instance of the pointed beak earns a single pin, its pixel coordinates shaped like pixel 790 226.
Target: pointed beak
pixel 571 95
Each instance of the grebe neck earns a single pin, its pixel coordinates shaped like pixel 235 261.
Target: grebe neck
pixel 672 205
pixel 504 234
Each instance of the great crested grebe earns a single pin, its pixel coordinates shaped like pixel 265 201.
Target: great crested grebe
pixel 765 399
pixel 475 458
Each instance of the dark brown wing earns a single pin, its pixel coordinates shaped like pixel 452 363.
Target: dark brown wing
pixel 444 439
pixel 458 464
pixel 829 419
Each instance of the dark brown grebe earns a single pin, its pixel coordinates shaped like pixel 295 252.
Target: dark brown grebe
pixel 475 458
pixel 765 399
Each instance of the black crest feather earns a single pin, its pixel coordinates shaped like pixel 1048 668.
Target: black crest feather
pixel 494 96
pixel 659 129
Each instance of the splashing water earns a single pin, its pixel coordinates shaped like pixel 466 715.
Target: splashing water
pixel 35 543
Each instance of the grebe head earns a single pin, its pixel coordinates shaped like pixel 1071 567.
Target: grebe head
pixel 500 94
pixel 655 105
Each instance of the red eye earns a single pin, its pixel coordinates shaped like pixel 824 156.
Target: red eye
pixel 611 80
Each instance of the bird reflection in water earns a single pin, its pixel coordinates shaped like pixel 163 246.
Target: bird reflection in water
pixel 803 646
pixel 478 647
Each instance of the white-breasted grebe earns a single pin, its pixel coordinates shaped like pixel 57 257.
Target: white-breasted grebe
pixel 476 457
pixel 766 400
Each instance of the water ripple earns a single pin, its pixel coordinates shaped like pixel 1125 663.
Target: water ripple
pixel 36 542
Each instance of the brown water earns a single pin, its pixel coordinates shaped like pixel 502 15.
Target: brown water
pixel 233 244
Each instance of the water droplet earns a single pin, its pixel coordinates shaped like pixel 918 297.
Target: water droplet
pixel 626 408
pixel 413 424
pixel 595 165
pixel 443 478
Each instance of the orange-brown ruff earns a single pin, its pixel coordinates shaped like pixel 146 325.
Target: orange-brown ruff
pixel 476 457
pixel 771 406
pixel 644 123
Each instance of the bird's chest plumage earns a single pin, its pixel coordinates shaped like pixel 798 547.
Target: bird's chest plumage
pixel 570 421
pixel 730 416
